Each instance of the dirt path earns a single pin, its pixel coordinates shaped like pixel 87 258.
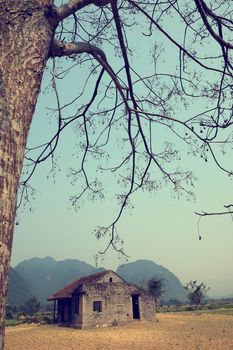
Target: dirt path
pixel 171 331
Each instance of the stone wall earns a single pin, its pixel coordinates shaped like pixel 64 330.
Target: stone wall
pixel 116 302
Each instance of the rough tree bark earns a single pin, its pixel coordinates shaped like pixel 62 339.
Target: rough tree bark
pixel 25 37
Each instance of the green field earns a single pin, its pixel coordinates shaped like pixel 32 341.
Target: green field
pixel 218 308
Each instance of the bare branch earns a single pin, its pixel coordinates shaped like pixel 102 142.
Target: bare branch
pixel 173 40
pixel 205 213
pixel 229 211
pixel 204 11
pixel 72 6
pixel 60 49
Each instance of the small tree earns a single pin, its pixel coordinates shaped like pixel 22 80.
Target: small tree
pixel 156 287
pixel 196 292
pixel 32 306
pixel 11 311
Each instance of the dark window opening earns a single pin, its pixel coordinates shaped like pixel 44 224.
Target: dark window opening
pixel 76 306
pixel 110 279
pixel 97 306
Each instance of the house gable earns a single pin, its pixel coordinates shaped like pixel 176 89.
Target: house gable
pixel 110 277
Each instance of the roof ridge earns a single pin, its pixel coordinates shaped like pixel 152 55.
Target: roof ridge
pixel 69 289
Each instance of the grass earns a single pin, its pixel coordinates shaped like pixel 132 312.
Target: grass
pixel 217 309
pixel 13 322
pixel 39 317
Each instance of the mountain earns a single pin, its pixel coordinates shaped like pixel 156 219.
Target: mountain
pixel 42 277
pixel 18 289
pixel 141 271
pixel 46 276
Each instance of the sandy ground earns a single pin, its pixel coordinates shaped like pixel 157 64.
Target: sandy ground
pixel 171 331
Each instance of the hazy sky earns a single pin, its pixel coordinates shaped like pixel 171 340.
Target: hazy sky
pixel 159 227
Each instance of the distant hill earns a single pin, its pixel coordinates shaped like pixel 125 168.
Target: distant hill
pixel 46 276
pixel 18 289
pixel 142 270
pixel 42 277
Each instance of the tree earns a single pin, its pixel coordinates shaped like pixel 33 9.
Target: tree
pixel 196 292
pixel 32 306
pixel 156 287
pixel 139 100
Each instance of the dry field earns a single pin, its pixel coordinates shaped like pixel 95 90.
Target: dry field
pixel 171 331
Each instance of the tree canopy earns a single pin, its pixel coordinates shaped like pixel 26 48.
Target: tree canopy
pixel 196 292
pixel 156 287
pixel 151 107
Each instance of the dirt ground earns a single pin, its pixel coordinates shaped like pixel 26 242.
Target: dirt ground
pixel 171 331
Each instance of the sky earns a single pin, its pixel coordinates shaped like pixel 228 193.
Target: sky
pixel 159 226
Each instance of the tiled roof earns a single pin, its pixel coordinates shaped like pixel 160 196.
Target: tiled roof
pixel 68 290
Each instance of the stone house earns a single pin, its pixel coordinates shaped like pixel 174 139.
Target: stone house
pixel 101 299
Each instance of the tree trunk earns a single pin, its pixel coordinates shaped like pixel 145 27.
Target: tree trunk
pixel 25 38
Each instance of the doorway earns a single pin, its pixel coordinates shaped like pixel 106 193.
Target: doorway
pixel 66 311
pixel 135 306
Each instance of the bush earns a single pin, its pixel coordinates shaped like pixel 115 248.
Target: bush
pixel 189 308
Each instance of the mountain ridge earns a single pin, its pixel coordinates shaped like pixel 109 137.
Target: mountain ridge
pixel 44 276
pixel 52 275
